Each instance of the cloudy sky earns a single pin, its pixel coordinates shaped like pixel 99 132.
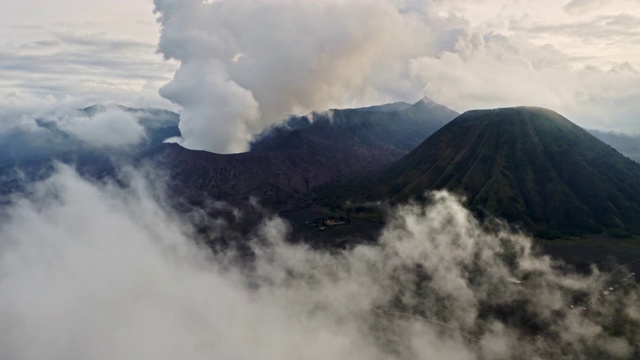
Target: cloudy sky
pixel 236 67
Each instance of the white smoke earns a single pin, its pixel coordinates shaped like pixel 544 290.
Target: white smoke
pixel 97 271
pixel 246 65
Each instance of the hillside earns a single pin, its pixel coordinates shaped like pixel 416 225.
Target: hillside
pixel 358 139
pixel 288 161
pixel 527 165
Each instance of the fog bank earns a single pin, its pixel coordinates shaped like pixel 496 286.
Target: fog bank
pixel 108 272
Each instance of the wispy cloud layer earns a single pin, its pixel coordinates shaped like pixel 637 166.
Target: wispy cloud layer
pixel 111 272
pixel 108 128
pixel 73 53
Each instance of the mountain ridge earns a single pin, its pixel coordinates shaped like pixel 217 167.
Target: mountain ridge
pixel 288 161
pixel 528 165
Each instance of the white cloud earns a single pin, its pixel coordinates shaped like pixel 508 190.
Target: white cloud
pixel 73 53
pixel 108 272
pixel 582 65
pixel 216 110
pixel 110 127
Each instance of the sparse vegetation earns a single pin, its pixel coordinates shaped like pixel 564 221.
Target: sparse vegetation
pixel 529 166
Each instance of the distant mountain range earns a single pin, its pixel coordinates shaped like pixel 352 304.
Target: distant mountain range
pixel 628 145
pixel 529 166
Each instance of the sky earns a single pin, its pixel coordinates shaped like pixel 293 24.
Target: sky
pixel 234 68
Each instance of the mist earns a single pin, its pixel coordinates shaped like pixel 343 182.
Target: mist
pixel 108 128
pixel 102 270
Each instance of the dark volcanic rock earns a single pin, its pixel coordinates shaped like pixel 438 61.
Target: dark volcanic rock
pixel 527 165
pixel 288 161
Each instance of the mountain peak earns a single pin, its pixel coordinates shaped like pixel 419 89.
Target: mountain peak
pixel 528 165
pixel 513 110
pixel 518 116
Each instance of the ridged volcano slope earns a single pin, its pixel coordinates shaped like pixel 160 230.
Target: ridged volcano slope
pixel 358 139
pixel 287 162
pixel 530 166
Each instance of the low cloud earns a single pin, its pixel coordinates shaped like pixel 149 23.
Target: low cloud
pixel 109 127
pixel 103 271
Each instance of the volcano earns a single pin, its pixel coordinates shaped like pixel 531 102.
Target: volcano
pixel 289 160
pixel 527 165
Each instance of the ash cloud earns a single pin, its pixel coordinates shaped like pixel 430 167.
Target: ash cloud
pixel 95 270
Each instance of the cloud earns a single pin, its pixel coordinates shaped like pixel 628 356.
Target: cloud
pixel 578 6
pixel 99 53
pixel 480 69
pixel 106 271
pixel 81 66
pixel 109 127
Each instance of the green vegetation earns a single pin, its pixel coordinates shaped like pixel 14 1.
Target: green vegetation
pixel 529 166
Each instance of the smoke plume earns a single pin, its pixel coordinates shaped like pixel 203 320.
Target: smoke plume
pixel 105 271
pixel 246 65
